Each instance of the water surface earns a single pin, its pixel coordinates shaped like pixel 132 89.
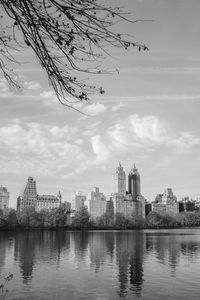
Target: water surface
pixel 146 264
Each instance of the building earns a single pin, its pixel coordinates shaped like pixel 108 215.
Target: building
pixel 120 180
pixel 4 197
pixel 134 183
pixel 166 203
pixel 187 204
pixel 96 203
pixel 30 198
pixel 78 201
pixel 131 203
pixel 48 202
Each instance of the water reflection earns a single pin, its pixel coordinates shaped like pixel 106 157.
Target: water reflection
pixel 130 253
pixel 119 258
pixel 38 247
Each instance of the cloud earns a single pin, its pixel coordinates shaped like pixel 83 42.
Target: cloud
pixel 94 109
pixel 100 149
pixel 39 148
pixel 185 142
pixel 118 106
pixel 32 85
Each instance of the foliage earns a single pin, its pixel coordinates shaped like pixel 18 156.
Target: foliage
pixel 188 219
pixel 61 217
pixel 81 218
pixel 68 37
pixel 154 220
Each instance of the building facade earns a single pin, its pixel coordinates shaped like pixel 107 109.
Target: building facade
pixel 96 203
pixel 166 203
pixel 120 180
pixel 30 198
pixel 4 198
pixel 48 202
pixel 131 203
pixel 78 201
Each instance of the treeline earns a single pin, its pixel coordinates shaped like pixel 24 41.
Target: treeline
pixel 61 218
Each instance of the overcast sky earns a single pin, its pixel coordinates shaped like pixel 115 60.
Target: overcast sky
pixel 149 115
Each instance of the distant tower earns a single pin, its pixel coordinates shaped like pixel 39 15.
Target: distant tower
pixel 134 183
pixel 59 197
pixel 120 180
pixel 28 196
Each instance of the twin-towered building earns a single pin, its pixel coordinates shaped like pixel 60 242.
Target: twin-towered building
pixel 130 203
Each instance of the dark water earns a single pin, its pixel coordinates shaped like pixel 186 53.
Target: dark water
pixel 102 265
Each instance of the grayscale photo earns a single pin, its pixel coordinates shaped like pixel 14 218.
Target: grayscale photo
pixel 99 149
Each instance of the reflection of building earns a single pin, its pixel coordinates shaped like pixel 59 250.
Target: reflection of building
pixel 97 248
pixel 78 201
pixel 4 198
pixel 130 253
pixel 166 203
pixel 96 203
pixel 29 197
pixel 24 252
pixel 131 203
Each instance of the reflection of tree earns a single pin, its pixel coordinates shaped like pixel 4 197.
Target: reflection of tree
pixel 33 248
pixel 3 243
pixel 80 239
pixel 170 245
pixel 190 249
pixel 110 240
pixel 24 252
pixel 97 249
pixel 129 252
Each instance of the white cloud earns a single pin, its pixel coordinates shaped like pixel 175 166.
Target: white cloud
pixel 101 150
pixel 3 85
pixel 94 109
pixel 118 106
pixel 32 85
pixel 39 148
pixel 185 142
pixel 148 129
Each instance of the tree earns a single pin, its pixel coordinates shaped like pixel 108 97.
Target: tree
pixel 67 37
pixel 27 217
pixel 81 218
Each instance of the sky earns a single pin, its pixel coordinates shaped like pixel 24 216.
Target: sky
pixel 149 114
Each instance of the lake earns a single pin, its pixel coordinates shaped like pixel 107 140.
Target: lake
pixel 140 264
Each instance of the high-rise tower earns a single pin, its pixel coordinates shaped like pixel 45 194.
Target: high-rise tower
pixel 120 180
pixel 134 183
pixel 28 196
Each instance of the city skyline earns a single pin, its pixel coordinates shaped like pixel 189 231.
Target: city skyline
pixel 149 114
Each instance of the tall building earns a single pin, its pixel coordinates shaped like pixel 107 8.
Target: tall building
pixel 166 203
pixel 96 203
pixel 120 180
pixel 78 201
pixel 4 198
pixel 131 203
pixel 134 183
pixel 29 197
